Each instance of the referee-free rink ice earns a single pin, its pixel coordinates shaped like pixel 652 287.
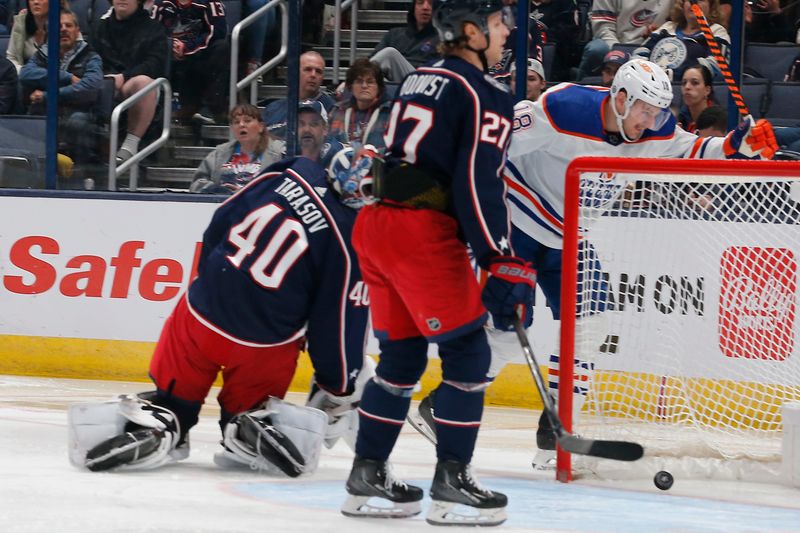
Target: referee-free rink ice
pixel 41 492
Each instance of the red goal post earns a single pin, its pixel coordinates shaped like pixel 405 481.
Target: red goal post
pixel 678 174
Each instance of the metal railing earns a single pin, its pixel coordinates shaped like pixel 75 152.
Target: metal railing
pixel 132 164
pixel 252 78
pixel 337 34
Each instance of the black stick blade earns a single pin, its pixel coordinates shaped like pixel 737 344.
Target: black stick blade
pixel 607 449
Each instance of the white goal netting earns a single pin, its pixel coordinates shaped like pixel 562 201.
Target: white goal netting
pixel 696 278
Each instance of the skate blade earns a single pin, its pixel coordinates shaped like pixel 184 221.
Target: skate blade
pixel 368 507
pixel 455 514
pixel 418 423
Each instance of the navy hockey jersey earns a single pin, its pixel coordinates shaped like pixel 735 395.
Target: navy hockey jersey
pixel 277 264
pixel 453 120
pixel 196 22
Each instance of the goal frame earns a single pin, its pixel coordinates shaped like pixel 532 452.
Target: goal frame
pixel 569 276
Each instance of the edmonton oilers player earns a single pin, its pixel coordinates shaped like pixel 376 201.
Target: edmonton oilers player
pixel 447 138
pixel 632 119
pixel 276 271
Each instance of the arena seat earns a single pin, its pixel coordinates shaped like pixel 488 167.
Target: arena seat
pixel 770 61
pixel 22 151
pixel 783 108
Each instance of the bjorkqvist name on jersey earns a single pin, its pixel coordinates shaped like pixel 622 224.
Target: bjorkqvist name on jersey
pixel 427 84
pixel 304 207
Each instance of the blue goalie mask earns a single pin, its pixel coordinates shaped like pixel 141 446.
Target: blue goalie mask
pixel 350 175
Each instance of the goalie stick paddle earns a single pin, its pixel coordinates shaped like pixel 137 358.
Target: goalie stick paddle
pixel 720 59
pixel 607 449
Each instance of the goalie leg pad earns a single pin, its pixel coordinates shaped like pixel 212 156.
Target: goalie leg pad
pixel 278 438
pixel 129 433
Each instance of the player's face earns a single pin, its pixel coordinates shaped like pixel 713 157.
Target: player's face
pixel 643 116
pixel 246 129
pixel 365 90
pixel 125 8
pixel 498 33
pixel 693 87
pixel 312 68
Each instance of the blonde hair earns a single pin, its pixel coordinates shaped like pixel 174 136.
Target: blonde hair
pixel 676 13
pixel 249 110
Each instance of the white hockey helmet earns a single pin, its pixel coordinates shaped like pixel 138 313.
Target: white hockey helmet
pixel 645 81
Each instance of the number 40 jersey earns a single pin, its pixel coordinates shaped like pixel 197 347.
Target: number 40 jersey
pixel 277 263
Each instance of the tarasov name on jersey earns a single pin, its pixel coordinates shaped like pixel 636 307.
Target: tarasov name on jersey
pixel 303 206
pixel 427 84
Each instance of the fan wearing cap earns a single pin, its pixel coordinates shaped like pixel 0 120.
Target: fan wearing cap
pixel 535 83
pixel 611 63
pixel 631 119
pixel 312 128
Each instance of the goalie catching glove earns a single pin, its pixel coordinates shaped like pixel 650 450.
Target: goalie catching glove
pixel 508 292
pixel 751 140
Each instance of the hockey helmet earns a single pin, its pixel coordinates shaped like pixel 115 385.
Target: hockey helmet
pixel 350 175
pixel 645 81
pixel 449 16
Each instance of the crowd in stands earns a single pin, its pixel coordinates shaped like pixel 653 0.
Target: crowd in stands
pixel 137 41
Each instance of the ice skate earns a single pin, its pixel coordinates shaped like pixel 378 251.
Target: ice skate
pixel 458 498
pixel 371 479
pixel 422 421
pixel 545 437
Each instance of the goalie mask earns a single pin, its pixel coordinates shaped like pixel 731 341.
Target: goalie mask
pixel 645 81
pixel 350 175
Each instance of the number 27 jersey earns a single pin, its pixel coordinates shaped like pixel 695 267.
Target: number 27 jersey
pixel 451 119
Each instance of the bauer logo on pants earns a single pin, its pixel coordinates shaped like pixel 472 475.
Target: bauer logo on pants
pixel 757 307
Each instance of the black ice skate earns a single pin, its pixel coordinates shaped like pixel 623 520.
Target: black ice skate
pixel 374 479
pixel 423 420
pixel 454 486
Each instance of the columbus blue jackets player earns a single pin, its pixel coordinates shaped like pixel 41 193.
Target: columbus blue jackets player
pixel 276 271
pixel 447 137
pixel 632 119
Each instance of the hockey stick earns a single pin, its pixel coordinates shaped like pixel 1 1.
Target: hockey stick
pixel 607 449
pixel 717 53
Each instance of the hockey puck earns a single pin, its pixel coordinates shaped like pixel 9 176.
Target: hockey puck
pixel 663 480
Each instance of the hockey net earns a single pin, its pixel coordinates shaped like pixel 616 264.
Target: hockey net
pixel 690 267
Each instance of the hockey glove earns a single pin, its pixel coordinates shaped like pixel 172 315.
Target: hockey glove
pixel 509 288
pixel 751 140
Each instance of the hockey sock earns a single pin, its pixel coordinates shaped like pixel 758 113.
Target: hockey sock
pixel 380 416
pixel 457 413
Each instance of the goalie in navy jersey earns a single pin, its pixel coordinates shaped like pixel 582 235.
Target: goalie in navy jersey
pixel 442 189
pixel 276 271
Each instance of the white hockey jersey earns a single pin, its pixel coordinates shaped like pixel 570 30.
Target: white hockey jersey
pixel 565 123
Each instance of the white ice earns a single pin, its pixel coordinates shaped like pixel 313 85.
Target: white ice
pixel 41 492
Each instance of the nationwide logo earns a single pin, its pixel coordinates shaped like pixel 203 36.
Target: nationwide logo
pixel 757 303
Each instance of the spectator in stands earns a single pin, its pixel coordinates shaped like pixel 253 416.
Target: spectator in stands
pixel 312 70
pixel 712 122
pixel 134 51
pixel 765 22
pixel 312 130
pixel 404 49
pixel 611 63
pixel 558 22
pixel 361 118
pixel 620 21
pixel 794 70
pixel 80 81
pixel 29 32
pixel 233 164
pixel 255 35
pixel 535 80
pixel 697 92
pixel 8 87
pixel 200 56
pixel 679 43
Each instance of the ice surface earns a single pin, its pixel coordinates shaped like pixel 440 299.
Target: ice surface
pixel 41 492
